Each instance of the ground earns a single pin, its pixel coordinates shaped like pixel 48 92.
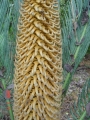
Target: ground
pixel 80 77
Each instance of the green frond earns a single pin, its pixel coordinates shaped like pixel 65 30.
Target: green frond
pixel 75 35
pixel 9 11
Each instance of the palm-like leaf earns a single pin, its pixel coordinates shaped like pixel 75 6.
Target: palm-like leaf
pixel 75 32
pixel 8 23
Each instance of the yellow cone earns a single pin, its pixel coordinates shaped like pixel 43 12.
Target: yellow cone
pixel 38 62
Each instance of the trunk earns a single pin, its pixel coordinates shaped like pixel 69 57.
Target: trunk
pixel 38 62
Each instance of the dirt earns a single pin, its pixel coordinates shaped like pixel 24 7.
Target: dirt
pixel 78 80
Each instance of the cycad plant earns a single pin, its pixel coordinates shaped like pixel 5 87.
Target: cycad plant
pixel 38 62
pixel 39 55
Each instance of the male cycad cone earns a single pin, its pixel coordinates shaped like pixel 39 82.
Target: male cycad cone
pixel 38 62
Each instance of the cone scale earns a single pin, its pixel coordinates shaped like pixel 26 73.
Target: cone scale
pixel 38 62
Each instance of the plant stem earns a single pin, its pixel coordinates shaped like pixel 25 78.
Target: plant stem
pixel 8 103
pixel 66 81
pixel 83 116
pixel 77 51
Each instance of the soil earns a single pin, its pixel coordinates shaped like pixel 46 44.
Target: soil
pixel 78 80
